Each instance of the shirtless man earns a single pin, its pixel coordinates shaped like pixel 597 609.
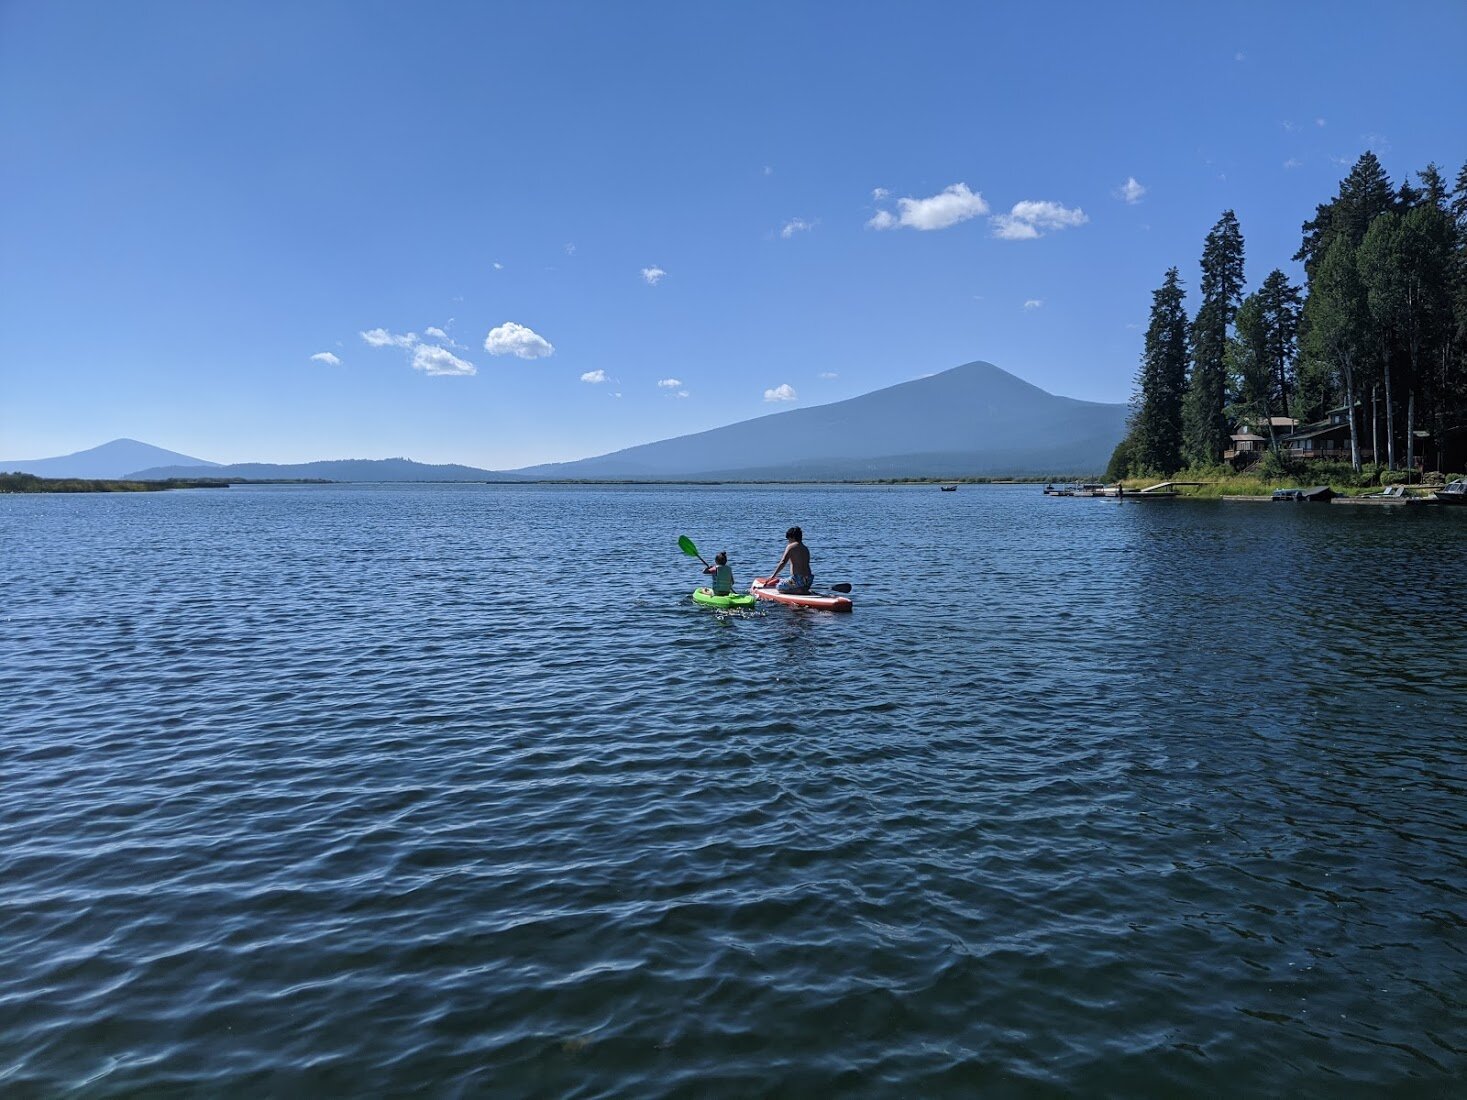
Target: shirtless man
pixel 797 557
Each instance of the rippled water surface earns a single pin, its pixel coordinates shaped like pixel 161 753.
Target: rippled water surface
pixel 360 789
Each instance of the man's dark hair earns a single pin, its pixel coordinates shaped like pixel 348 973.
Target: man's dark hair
pixel 795 535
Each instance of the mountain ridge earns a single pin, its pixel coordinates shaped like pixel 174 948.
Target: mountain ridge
pixel 971 420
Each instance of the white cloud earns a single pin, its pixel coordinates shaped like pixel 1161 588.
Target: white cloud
pixel 879 194
pixel 1130 191
pixel 595 377
pixel 570 249
pixel 498 266
pixel 1293 162
pixel 828 374
pixel 1289 127
pixel 327 358
pixel 783 392
pixel 1319 122
pixel 1033 303
pixel 617 395
pixel 1027 219
pixel 431 360
pixel 652 275
pixel 669 383
pixel 793 226
pixel 436 333
pixel 517 340
pixel 682 393
pixel 381 338
pixel 950 206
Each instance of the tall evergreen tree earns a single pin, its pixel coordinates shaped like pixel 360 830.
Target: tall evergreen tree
pixel 1204 423
pixel 1279 301
pixel 1155 442
pixel 1338 325
pixel 1364 195
pixel 1249 368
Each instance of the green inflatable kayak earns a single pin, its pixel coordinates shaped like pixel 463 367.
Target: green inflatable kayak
pixel 706 597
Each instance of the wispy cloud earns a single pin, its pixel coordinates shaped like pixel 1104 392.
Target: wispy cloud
pixel 517 340
pixel 793 226
pixel 435 332
pixel 433 360
pixel 1289 127
pixel 498 266
pixel 829 374
pixel 327 358
pixel 1240 56
pixel 669 383
pixel 1030 219
pixel 1033 303
pixel 682 393
pixel 595 377
pixel 1130 191
pixel 880 194
pixel 570 248
pixel 782 392
pixel 381 338
pixel 768 171
pixel 1319 122
pixel 952 205
pixel 1293 162
pixel 652 275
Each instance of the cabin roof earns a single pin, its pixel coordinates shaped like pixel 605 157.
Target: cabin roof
pixel 1246 437
pixel 1312 430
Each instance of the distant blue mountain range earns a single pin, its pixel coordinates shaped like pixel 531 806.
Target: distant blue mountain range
pixel 344 469
pixel 971 421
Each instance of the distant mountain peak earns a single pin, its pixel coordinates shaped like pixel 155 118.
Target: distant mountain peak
pixel 114 459
pixel 974 419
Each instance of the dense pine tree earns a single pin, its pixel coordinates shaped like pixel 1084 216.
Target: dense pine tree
pixel 1155 442
pixel 1279 304
pixel 1204 422
pixel 1338 328
pixel 1382 313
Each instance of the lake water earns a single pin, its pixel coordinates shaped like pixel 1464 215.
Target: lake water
pixel 356 789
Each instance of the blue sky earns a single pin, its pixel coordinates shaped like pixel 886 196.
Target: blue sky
pixel 504 234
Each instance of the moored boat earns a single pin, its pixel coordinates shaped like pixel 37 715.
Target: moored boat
pixel 1455 493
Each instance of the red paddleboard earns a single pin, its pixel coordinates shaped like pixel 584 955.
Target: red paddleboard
pixel 766 591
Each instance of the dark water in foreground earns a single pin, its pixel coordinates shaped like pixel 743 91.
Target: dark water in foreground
pixel 352 790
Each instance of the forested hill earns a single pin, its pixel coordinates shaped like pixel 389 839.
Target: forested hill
pixel 972 420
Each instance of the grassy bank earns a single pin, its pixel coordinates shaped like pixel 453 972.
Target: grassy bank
pixel 29 483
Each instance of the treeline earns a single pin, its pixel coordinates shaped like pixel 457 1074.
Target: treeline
pixel 30 483
pixel 1380 324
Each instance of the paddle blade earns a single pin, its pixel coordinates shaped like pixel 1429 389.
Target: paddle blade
pixel 842 587
pixel 685 544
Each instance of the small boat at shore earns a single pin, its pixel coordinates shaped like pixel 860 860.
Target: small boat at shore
pixel 1455 493
pixel 948 488
pixel 1320 494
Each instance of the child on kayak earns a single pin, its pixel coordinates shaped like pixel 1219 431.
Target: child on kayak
pixel 797 557
pixel 723 581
